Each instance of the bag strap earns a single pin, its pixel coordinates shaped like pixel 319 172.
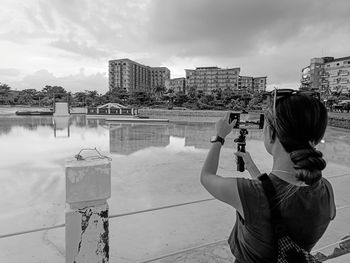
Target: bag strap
pixel 279 227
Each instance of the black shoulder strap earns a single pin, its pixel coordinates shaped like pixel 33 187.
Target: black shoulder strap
pixel 270 192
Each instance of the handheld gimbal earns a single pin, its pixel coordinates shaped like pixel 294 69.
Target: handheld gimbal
pixel 241 148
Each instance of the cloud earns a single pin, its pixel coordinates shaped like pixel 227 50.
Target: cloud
pixel 91 27
pixel 79 48
pixel 240 28
pixel 74 82
pixel 265 38
pixel 9 72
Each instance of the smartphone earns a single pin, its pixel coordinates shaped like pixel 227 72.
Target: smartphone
pixel 247 120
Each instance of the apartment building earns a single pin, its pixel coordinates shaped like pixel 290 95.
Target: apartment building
pixel 245 82
pixel 177 85
pixel 132 76
pixel 327 75
pixel 259 84
pixel 208 78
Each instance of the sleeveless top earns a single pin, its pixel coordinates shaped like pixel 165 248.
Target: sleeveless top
pixel 306 213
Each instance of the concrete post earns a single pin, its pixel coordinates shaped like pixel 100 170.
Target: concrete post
pixel 61 109
pixel 88 186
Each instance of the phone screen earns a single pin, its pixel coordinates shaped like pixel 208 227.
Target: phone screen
pixel 247 120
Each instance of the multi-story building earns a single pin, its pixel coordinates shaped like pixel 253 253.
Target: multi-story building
pixel 159 76
pixel 207 79
pixel 210 78
pixel 245 82
pixel 259 84
pixel 177 85
pixel 328 75
pixel 132 76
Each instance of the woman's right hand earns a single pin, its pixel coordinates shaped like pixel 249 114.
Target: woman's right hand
pixel 249 164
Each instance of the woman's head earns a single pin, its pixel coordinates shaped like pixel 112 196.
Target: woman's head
pixel 299 122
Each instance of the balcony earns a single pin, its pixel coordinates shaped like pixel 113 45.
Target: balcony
pixel 305 81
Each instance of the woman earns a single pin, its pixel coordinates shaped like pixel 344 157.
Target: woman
pixel 294 125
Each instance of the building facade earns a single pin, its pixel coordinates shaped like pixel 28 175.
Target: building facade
pixel 245 82
pixel 132 76
pixel 327 75
pixel 259 84
pixel 207 79
pixel 177 85
pixel 159 77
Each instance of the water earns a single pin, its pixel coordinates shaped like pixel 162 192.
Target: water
pixel 153 165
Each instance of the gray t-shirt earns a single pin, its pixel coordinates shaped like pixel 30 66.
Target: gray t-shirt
pixel 306 213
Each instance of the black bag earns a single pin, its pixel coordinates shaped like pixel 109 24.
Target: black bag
pixel 288 251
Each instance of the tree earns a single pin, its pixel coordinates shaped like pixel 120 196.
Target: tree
pixel 159 91
pixel 4 88
pixel 26 96
pixel 180 98
pixel 217 93
pixel 140 98
pixel 227 95
pixel 93 98
pixel 53 93
pixel 4 93
pixel 79 99
pixel 118 95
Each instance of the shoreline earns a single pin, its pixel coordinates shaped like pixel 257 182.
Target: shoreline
pixel 335 119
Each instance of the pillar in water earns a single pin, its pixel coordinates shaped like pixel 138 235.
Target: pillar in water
pixel 61 109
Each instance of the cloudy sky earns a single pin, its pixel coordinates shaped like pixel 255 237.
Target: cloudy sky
pixel 69 42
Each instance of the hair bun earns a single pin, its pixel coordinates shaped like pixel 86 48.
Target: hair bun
pixel 308 164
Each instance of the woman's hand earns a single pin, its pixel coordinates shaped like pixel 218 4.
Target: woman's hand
pixel 223 127
pixel 249 164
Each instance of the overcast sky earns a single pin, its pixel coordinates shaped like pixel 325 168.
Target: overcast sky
pixel 69 42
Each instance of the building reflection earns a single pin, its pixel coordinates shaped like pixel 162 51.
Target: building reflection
pixel 94 123
pixel 129 138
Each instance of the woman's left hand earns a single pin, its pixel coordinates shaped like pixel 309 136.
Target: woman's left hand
pixel 223 127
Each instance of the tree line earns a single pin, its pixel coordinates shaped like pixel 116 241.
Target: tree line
pixel 217 99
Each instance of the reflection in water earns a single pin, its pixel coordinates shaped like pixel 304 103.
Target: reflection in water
pixel 61 126
pixel 32 161
pixel 129 138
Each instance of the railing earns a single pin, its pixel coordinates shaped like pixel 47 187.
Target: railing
pixel 80 188
pixel 112 111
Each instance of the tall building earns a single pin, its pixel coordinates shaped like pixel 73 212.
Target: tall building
pixel 208 78
pixel 132 76
pixel 327 75
pixel 177 85
pixel 159 76
pixel 259 84
pixel 245 82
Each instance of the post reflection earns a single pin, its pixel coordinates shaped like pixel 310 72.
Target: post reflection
pixel 61 126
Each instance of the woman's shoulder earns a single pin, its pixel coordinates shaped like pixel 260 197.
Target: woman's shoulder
pixel 250 189
pixel 251 185
pixel 329 191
